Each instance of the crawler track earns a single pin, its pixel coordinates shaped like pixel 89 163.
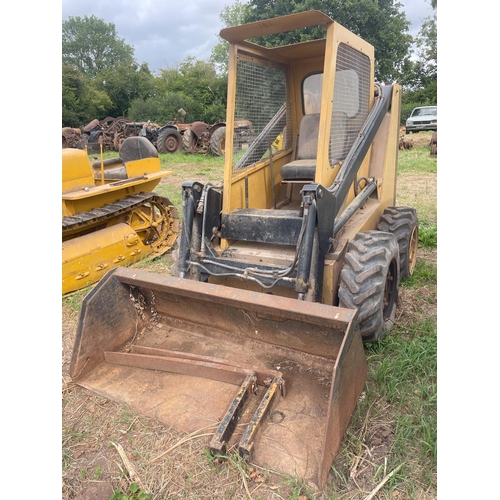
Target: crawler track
pixel 154 217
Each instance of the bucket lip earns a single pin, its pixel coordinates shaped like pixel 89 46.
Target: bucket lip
pixel 335 316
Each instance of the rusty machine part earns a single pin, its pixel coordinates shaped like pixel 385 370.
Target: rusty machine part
pixel 111 217
pixel 73 138
pixel 111 132
pixel 202 138
pixel 282 271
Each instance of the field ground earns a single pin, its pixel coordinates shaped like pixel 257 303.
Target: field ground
pixel 390 446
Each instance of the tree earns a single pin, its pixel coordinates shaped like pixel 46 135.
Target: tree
pixel 420 81
pixel 231 15
pixel 427 47
pixel 203 90
pixel 91 45
pixel 380 23
pixel 124 82
pixel 73 88
pixel 81 101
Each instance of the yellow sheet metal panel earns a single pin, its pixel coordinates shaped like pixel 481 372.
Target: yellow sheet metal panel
pixel 143 166
pixel 87 258
pixel 76 171
pixel 276 25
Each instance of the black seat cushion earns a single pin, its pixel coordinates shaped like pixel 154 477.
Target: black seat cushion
pixel 299 170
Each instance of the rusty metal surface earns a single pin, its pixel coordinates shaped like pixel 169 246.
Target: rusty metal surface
pixel 218 444
pixel 315 349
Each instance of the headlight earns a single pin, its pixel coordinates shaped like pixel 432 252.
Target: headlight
pixel 409 122
pixel 434 121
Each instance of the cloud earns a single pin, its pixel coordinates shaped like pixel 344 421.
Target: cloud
pixel 162 33
pixel 165 33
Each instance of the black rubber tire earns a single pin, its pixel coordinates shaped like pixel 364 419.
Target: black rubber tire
pixel 369 282
pixel 403 223
pixel 188 141
pixel 169 141
pixel 218 142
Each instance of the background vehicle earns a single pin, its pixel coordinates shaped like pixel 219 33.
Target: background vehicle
pixel 281 272
pixel 423 118
pixel 110 217
pixel 196 137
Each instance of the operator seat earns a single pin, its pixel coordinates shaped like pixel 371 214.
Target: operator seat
pixel 304 167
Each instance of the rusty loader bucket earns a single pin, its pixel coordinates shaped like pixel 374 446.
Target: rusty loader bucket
pixel 275 378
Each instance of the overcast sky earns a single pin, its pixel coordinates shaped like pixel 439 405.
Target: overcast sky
pixel 165 33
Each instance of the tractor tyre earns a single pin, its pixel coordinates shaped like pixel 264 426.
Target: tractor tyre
pixel 188 141
pixel 403 223
pixel 369 282
pixel 169 141
pixel 218 142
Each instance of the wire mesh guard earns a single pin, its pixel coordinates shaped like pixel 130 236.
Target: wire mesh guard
pixel 351 97
pixel 262 96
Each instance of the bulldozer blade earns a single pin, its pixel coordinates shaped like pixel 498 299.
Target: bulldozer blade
pixel 181 352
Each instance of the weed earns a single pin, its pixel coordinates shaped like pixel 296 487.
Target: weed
pixel 98 472
pixel 427 236
pixel 83 473
pixel 134 493
pixel 298 489
pixel 66 458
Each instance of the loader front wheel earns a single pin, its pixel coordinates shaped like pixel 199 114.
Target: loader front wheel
pixel 403 223
pixel 369 282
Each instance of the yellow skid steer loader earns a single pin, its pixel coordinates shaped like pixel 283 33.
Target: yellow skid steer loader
pixel 282 270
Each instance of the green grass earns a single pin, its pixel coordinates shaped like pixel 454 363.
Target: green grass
pixel 403 373
pixel 417 159
pixel 206 162
pixel 424 274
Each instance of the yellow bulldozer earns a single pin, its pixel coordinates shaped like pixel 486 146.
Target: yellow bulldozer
pixel 110 216
pixel 282 271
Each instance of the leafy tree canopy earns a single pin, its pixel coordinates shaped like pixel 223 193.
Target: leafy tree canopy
pixel 91 45
pixel 380 23
pixel 231 15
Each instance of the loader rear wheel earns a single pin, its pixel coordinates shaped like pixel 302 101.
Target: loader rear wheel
pixel 369 282
pixel 218 142
pixel 403 223
pixel 169 141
